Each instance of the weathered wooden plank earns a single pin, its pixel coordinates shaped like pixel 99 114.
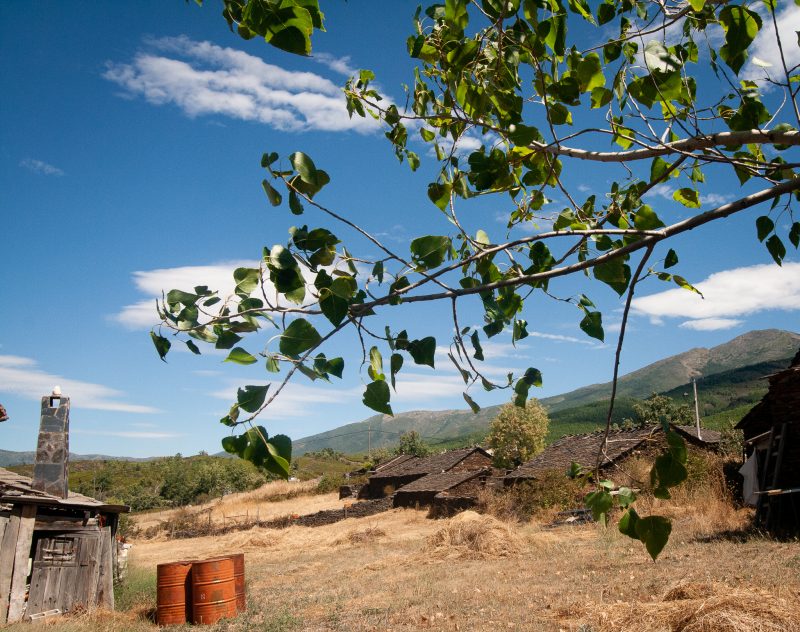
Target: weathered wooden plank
pixel 8 547
pixel 19 578
pixel 105 583
pixel 3 522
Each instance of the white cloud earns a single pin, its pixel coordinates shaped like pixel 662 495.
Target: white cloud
pixel 560 338
pixel 39 166
pixel 765 46
pixel 716 199
pixel 19 376
pixel 342 65
pixel 728 294
pixel 711 324
pixel 203 79
pixel 217 276
pixel 296 400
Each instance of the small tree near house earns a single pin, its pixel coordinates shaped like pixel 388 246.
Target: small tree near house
pixel 412 443
pixel 517 434
pixel 657 409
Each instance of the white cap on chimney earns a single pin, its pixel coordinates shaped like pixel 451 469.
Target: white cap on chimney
pixel 56 391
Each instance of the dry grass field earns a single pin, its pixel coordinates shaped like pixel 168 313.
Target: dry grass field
pixel 401 571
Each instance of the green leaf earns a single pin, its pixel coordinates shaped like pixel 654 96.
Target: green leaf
pixel 475 408
pixel 439 194
pixel 476 345
pixel 646 219
pixel 592 325
pixel 192 347
pixel 226 340
pixel 430 251
pixel 395 364
pixel 178 296
pixel 687 197
pixel 295 206
pixel 776 249
pixel 305 167
pixel 162 345
pixel 273 364
pixel 247 280
pixel 274 197
pixel 251 397
pixel 240 356
pixel 671 259
pixel 423 350
pixel 334 307
pixel 654 532
pixel 599 502
pixel 764 226
pixel 376 397
pixel 697 5
pixel 794 234
pixel 659 59
pixel 298 337
pixel 601 96
pixel 625 496
pixel 741 25
pixel 375 369
pixel 614 273
pixel 532 377
pixel 627 523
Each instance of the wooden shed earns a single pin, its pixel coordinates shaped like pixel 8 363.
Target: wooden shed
pixel 621 444
pixel 395 477
pixel 58 547
pixel 772 452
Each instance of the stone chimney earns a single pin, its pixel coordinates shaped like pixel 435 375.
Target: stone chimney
pixel 52 453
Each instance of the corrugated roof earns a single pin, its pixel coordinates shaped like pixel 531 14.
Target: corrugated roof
pixel 17 489
pixel 583 448
pixel 439 482
pixel 430 464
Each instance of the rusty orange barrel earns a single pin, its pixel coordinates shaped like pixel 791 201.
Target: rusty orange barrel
pixel 213 590
pixel 238 581
pixel 174 593
pixel 238 578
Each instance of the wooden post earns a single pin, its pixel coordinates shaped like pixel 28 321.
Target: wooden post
pixel 105 580
pixel 14 553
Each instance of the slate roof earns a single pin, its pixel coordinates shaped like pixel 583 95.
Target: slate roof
pixel 440 481
pixel 399 459
pixel 428 465
pixel 583 448
pixel 17 489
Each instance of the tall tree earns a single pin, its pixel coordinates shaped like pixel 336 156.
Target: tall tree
pixel 649 92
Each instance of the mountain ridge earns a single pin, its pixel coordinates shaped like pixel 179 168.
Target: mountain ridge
pixel 674 372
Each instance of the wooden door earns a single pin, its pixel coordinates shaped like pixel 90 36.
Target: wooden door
pixel 66 568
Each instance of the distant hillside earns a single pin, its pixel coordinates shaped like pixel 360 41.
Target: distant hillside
pixel 748 349
pixel 9 457
pixel 729 375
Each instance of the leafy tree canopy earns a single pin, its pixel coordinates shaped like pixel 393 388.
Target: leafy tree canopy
pixel 518 434
pixel 412 443
pixel 650 92
pixel 658 409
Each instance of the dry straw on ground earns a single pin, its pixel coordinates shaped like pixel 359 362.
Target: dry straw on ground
pixel 470 535
pixel 701 607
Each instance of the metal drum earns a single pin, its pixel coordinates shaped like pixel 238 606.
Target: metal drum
pixel 238 580
pixel 174 593
pixel 213 590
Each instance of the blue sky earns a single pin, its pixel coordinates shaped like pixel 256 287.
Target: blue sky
pixel 129 163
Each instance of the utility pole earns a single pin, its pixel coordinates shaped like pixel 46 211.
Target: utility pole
pixel 696 408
